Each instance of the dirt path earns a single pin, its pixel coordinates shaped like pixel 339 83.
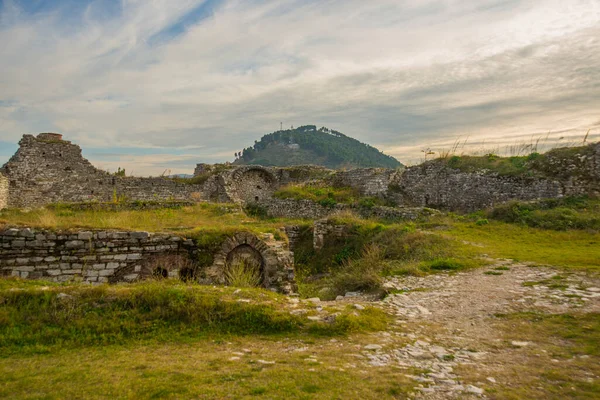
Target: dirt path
pixel 448 321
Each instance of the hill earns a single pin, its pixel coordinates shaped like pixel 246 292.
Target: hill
pixel 309 145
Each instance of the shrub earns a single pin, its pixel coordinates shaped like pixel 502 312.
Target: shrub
pixel 256 210
pixel 328 202
pixel 481 222
pixel 555 214
pixel 445 264
pixel 363 274
pixel 242 274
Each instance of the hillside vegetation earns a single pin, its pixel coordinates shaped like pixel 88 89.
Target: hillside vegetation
pixel 309 145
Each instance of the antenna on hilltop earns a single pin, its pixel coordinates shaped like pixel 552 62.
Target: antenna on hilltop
pixel 281 126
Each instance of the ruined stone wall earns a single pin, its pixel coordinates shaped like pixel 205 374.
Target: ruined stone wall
pixel 307 209
pixel 562 172
pixel 437 186
pixel 368 181
pixel 91 256
pixel 3 191
pixel 108 257
pixel 47 169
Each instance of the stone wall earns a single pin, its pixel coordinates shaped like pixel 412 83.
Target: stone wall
pixel 368 181
pixel 108 257
pixel 47 169
pixel 437 186
pixel 91 256
pixel 564 172
pixel 3 192
pixel 307 209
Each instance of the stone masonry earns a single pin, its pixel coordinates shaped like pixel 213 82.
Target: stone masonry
pixel 3 192
pixel 47 169
pixel 108 257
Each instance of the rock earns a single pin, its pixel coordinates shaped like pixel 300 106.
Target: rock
pixel 265 362
pixel 517 343
pixel 359 307
pixel 338 298
pixel 490 379
pixel 372 347
pixel 233 358
pixel 473 389
pixel 314 300
pixel 314 318
pixel 352 294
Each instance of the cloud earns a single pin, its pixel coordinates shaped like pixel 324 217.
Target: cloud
pixel 217 74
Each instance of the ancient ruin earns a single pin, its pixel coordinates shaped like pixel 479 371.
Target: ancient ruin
pixel 100 256
pixel 48 169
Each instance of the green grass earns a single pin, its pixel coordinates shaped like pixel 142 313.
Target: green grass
pixel 572 249
pixel 186 221
pixel 513 166
pixel 557 214
pixel 564 355
pixel 324 195
pixel 200 370
pixel 44 318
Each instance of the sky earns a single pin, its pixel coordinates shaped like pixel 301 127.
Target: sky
pixel 160 85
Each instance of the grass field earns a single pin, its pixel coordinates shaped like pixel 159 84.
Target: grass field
pixel 174 340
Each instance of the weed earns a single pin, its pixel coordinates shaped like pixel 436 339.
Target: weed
pixel 242 273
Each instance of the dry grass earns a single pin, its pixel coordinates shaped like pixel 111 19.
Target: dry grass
pixel 203 216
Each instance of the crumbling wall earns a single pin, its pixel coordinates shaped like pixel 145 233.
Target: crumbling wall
pixel 307 209
pixel 368 181
pixel 437 186
pixel 47 169
pixel 107 257
pixel 3 191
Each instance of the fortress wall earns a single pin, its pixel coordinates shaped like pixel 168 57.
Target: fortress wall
pixel 47 169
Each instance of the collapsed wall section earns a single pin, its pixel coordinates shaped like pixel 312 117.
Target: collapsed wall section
pixel 47 169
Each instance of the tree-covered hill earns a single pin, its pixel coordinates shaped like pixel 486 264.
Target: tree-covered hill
pixel 309 145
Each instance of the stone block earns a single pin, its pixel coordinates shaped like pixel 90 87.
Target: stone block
pixel 139 235
pixel 85 235
pixel 26 233
pixel 106 272
pixel 134 257
pixel 112 265
pixel 74 244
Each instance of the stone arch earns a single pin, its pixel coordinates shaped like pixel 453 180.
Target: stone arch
pixel 244 246
pixel 252 184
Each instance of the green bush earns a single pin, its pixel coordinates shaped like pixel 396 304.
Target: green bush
pixel 445 264
pixel 362 274
pixel 555 214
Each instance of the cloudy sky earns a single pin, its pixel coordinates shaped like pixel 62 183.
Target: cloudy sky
pixel 151 85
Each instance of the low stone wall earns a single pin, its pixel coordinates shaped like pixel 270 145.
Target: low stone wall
pixel 3 192
pixel 308 209
pixel 108 257
pixel 91 256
